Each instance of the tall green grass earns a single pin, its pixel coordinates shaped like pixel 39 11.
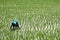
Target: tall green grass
pixel 38 19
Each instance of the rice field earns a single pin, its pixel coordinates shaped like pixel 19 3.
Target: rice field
pixel 38 19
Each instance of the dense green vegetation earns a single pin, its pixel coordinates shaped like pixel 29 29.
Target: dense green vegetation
pixel 39 19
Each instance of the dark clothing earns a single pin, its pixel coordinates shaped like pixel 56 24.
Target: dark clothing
pixel 16 25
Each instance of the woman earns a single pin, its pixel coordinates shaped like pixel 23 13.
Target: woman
pixel 14 24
